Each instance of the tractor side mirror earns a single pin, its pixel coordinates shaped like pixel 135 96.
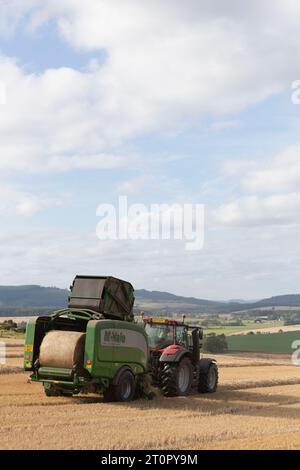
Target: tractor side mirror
pixel 200 334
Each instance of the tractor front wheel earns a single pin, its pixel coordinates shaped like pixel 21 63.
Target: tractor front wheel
pixel 208 379
pixel 176 379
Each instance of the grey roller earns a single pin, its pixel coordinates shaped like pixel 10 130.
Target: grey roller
pixel 62 349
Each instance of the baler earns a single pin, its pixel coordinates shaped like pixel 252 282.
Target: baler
pixel 91 346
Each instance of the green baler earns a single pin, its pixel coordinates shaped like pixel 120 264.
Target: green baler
pixel 91 346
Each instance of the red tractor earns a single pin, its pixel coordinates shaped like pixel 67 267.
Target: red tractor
pixel 176 365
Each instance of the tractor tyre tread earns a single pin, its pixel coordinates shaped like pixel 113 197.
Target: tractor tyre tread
pixel 168 380
pixel 204 382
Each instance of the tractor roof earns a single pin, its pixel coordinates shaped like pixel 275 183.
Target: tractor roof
pixel 166 321
pixel 162 321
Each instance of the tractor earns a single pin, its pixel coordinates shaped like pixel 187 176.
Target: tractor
pixel 175 362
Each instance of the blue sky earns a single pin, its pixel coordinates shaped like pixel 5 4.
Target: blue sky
pixel 165 107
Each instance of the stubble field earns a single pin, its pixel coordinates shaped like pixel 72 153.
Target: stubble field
pixel 257 406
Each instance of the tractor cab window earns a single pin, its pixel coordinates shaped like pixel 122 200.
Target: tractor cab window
pixel 181 336
pixel 159 336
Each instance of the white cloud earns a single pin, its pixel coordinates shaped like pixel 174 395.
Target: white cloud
pixel 11 13
pixel 167 62
pixel 252 210
pixel 281 173
pixel 224 125
pixel 270 190
pixel 227 266
pixel 237 167
pixel 19 201
pixel 135 185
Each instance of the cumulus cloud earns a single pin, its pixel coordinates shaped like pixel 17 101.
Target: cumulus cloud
pixel 270 190
pixel 53 122
pixel 15 200
pixel 227 265
pixel 12 12
pixel 281 173
pixel 135 185
pixel 253 210
pixel 167 62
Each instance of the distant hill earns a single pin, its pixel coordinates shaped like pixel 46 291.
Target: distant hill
pixel 292 300
pixel 167 303
pixel 32 299
pixel 164 303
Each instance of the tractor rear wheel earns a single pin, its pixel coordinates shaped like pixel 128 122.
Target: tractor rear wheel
pixel 176 379
pixel 208 379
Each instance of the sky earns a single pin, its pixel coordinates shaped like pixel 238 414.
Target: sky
pixel 166 102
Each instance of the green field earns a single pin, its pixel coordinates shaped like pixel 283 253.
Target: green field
pixel 247 325
pixel 11 334
pixel 275 343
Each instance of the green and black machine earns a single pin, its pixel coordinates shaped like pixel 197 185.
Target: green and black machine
pixel 93 346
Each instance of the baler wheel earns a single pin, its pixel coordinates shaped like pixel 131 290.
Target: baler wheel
pixel 52 392
pixel 123 389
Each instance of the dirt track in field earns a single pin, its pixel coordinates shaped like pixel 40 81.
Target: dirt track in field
pixel 271 329
pixel 257 406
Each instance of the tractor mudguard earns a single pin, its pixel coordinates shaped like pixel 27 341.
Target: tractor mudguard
pixel 174 353
pixel 205 364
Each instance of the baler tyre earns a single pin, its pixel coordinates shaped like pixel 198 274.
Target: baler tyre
pixel 109 394
pixel 66 394
pixel 124 389
pixel 208 380
pixel 176 379
pixel 52 392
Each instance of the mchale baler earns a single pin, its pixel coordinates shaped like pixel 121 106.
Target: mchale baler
pixel 91 346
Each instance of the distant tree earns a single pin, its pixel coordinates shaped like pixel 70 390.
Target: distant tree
pixel 215 343
pixel 8 325
pixel 237 322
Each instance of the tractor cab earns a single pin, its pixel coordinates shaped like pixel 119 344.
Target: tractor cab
pixel 163 333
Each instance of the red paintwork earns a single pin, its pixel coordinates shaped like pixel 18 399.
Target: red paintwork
pixel 172 349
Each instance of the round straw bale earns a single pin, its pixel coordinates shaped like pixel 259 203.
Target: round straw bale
pixel 62 349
